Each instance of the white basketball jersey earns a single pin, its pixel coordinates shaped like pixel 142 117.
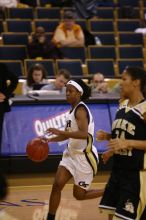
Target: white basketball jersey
pixel 79 145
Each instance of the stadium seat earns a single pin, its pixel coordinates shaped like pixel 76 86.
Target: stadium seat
pixel 74 53
pixel 122 63
pixel 130 52
pixel 47 63
pixel 103 66
pixel 82 23
pixel 101 26
pixel 23 13
pixel 13 52
pixel 127 25
pixel 107 13
pixel 48 13
pixel 1 26
pixel 14 38
pixel 73 66
pixel 15 66
pixel 14 25
pixel 131 38
pixel 133 3
pixel 106 38
pixel 101 52
pixel 135 13
pixel 49 25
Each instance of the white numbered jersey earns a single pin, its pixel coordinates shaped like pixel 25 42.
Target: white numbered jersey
pixel 76 145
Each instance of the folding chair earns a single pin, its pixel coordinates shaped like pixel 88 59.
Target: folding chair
pixel 48 13
pixel 15 66
pixel 23 13
pixel 133 3
pixel 127 25
pixel 105 38
pixel 107 13
pixel 101 26
pixel 122 63
pixel 15 38
pixel 14 25
pixel 106 67
pixel 74 53
pixel 13 52
pixel 82 23
pixel 130 52
pixel 101 52
pixel 47 63
pixel 1 26
pixel 131 38
pixel 135 13
pixel 48 25
pixel 74 66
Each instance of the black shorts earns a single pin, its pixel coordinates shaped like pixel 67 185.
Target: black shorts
pixel 122 195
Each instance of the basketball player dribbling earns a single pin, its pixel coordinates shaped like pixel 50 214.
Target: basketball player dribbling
pixel 125 193
pixel 80 158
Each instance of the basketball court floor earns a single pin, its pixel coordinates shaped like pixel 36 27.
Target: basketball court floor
pixel 29 195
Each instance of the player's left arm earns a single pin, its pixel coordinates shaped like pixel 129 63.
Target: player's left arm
pixel 82 122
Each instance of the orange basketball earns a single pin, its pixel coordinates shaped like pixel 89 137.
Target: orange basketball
pixel 37 150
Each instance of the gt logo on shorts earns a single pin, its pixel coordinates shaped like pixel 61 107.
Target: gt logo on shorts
pixel 82 183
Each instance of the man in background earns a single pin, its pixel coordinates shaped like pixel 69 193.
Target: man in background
pixel 98 84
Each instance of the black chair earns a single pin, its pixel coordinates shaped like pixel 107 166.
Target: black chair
pixel 48 25
pixel 74 66
pixel 130 52
pixel 23 13
pixel 127 25
pixel 133 3
pixel 130 12
pixel 14 25
pixel 74 53
pixel 131 38
pixel 13 52
pixel 47 63
pixel 122 63
pixel 107 13
pixel 106 38
pixel 101 52
pixel 15 38
pixel 106 67
pixel 1 26
pixel 15 66
pixel 82 23
pixel 101 26
pixel 50 13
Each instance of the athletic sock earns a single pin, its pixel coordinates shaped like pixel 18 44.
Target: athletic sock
pixel 50 217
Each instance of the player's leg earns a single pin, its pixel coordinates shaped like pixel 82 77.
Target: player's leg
pixel 83 194
pixel 110 217
pixel 61 178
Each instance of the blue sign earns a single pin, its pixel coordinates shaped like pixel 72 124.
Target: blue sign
pixel 26 122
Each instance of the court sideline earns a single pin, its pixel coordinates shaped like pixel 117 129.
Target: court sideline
pixel 28 198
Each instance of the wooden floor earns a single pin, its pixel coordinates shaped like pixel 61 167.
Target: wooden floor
pixel 29 194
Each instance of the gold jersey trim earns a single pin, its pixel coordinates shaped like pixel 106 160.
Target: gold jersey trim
pixel 90 155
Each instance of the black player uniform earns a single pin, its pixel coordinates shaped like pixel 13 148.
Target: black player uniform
pixel 125 193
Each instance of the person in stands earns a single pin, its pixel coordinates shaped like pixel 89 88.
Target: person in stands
pixel 68 33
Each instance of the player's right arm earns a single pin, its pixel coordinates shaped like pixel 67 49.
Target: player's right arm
pixel 56 139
